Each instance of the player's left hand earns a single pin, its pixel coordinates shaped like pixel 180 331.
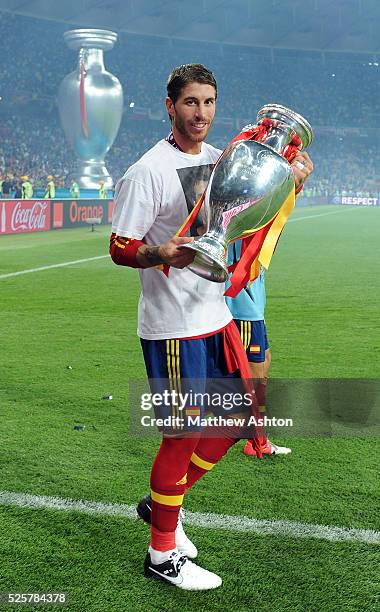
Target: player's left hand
pixel 302 167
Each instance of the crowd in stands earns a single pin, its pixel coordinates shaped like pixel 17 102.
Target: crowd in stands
pixel 336 92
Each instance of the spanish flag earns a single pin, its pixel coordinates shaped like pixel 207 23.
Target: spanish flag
pixel 254 348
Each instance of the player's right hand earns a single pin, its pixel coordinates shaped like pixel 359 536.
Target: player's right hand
pixel 173 255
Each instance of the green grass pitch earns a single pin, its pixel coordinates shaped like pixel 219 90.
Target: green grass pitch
pixel 322 320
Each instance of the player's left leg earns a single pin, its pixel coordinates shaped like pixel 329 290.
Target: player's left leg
pixel 260 382
pixel 208 452
pixel 259 357
pixel 270 448
pixel 234 414
pixel 253 338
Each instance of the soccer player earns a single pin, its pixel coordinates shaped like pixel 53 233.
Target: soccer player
pixel 184 324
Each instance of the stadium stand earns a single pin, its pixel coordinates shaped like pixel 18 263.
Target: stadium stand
pixel 321 86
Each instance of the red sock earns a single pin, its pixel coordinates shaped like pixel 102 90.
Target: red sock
pixel 168 484
pixel 162 540
pixel 207 453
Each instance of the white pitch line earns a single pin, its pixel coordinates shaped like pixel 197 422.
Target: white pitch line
pixel 242 524
pixel 333 212
pixel 59 265
pixel 282 528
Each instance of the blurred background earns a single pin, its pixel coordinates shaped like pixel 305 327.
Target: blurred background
pixel 320 58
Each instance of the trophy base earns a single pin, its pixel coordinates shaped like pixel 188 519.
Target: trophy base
pixel 89 174
pixel 210 260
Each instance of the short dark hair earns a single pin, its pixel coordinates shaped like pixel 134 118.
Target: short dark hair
pixel 185 74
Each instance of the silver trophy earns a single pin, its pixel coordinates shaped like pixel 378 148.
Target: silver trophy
pixel 246 189
pixel 90 102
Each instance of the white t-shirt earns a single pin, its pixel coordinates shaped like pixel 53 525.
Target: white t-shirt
pixel 152 200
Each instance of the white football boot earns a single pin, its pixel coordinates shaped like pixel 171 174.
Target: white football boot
pixel 181 572
pixel 184 544
pixel 279 450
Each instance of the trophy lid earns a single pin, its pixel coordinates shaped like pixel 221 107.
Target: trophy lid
pixel 291 118
pixel 90 39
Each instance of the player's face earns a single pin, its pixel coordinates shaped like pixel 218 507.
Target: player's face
pixel 193 112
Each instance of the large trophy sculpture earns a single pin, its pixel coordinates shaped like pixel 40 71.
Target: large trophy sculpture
pixel 250 189
pixel 90 102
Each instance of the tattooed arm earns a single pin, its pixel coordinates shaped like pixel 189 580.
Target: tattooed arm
pixel 135 254
pixel 169 253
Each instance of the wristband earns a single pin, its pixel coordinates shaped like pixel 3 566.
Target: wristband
pixel 123 251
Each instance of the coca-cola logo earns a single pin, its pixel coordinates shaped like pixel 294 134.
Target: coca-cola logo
pixel 29 217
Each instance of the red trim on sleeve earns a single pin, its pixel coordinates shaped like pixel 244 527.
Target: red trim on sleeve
pixel 123 251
